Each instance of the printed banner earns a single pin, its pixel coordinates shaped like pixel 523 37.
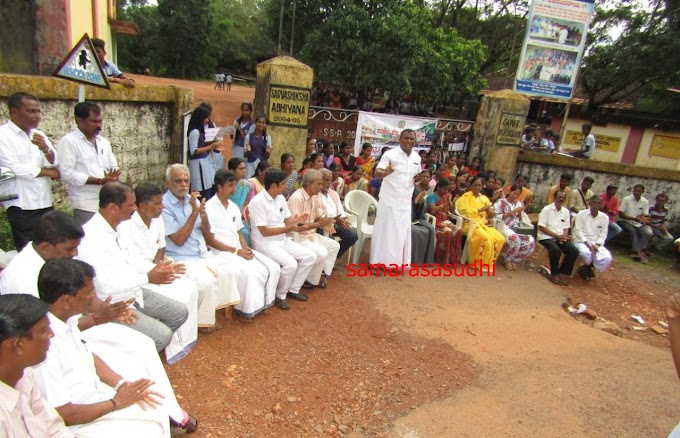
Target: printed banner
pixel 553 47
pixel 288 106
pixel 383 130
pixel 602 142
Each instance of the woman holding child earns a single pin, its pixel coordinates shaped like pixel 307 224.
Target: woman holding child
pixel 517 246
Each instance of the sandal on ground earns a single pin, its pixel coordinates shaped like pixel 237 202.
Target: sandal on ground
pixel 508 266
pixel 636 257
pixel 207 330
pixel 323 283
pixel 189 426
pixel 556 279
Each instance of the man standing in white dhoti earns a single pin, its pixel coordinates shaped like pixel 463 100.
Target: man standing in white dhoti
pixel 117 276
pixel 391 242
pixel 93 399
pixel 186 226
pixel 259 274
pixel 306 202
pixel 270 220
pixel 142 238
pixel 127 350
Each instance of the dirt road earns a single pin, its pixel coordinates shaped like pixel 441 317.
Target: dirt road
pixel 431 357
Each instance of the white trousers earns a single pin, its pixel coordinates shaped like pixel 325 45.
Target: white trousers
pixel 602 259
pixel 296 263
pixel 257 281
pixel 132 355
pixel 130 422
pixel 391 241
pixel 325 248
pixel 183 340
pixel 217 283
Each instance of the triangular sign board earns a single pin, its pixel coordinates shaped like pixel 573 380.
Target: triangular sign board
pixel 82 65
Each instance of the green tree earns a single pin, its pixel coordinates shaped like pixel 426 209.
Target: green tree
pixel 141 52
pixel 185 27
pixel 240 37
pixel 643 61
pixel 386 44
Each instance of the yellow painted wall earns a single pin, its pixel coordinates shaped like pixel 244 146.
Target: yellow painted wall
pixel 645 159
pixel 80 14
pixel 611 129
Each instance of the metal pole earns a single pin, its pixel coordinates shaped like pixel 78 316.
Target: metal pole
pixel 292 30
pixel 278 52
pixel 81 93
pixel 563 129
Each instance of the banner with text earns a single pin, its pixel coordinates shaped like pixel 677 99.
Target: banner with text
pixel 383 130
pixel 553 47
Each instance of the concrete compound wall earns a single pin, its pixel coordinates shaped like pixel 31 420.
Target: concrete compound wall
pixel 143 124
pixel 633 149
pixel 544 171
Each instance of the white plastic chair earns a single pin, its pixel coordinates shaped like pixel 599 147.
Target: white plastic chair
pixel 433 221
pixel 357 204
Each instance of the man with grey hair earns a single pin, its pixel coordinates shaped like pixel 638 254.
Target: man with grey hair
pixel 331 200
pixel 306 202
pixel 186 227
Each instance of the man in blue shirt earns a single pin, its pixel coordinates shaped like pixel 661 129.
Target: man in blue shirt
pixel 112 72
pixel 186 225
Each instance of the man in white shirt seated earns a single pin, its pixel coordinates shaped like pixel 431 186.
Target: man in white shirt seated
pixel 119 277
pixel 259 274
pixel 186 226
pixel 93 399
pixel 24 339
pixel 306 202
pixel 58 235
pixel 142 238
pixel 270 221
pixel 634 212
pixel 86 161
pixel 30 155
pixel 553 233
pixel 334 209
pixel 590 232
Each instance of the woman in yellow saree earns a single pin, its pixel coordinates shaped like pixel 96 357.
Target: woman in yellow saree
pixel 485 241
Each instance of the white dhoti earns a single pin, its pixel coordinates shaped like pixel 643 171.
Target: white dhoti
pixel 130 422
pixel 391 241
pixel 217 286
pixel 257 281
pixel 602 259
pixel 296 263
pixel 183 340
pixel 326 251
pixel 132 355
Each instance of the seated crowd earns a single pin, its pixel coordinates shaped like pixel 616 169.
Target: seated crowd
pixel 91 298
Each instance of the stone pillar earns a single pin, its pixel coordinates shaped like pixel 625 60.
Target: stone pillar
pixel 498 131
pixel 52 39
pixel 282 95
